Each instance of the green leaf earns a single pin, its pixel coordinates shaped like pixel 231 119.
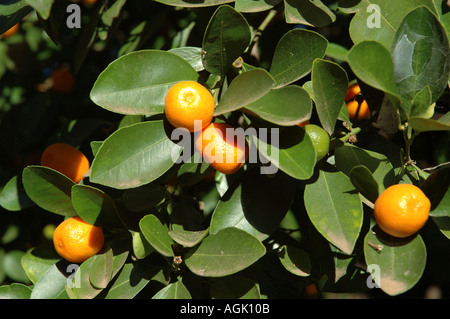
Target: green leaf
pixel 290 149
pixel 234 287
pixel 372 63
pixel 141 247
pixel 13 196
pixel 285 106
pixel 349 156
pixel 189 4
pixel 294 55
pixel 156 234
pixel 188 238
pixel 94 206
pixel 421 105
pixel 364 182
pixel 101 269
pixel 226 38
pixel 250 6
pixel 145 77
pixel 175 290
pixel 364 25
pixel 134 156
pixel 337 52
pixel 437 188
pixel 330 84
pixel 246 201
pixel 193 55
pixel 295 260
pixel 400 262
pixel 49 189
pixel 43 7
pixel 312 12
pixel 132 278
pixel 12 13
pixel 421 56
pixel 38 260
pixel 51 284
pixel 81 283
pixel 10 264
pixel 228 251
pixel 420 124
pixel 335 209
pixel 15 291
pixel 244 89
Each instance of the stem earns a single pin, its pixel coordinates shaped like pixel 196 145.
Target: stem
pixel 269 17
pixel 354 131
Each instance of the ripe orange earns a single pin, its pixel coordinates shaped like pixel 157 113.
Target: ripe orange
pixel 67 160
pixel 302 124
pixel 358 111
pixel 401 210
pixel 352 92
pixel 218 146
pixel 63 80
pixel 11 31
pixel 75 240
pixel 186 102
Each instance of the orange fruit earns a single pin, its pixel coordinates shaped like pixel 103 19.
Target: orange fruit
pixel 75 240
pixel 401 210
pixel 187 102
pixel 358 111
pixel 63 80
pixel 224 148
pixel 67 160
pixel 11 31
pixel 352 92
pixel 302 124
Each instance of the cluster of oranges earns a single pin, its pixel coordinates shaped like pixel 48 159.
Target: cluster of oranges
pixel 357 108
pixel 74 239
pixel 189 105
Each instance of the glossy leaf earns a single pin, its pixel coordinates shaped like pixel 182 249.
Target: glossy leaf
pixel 101 269
pixel 420 124
pixel 81 286
pixel 43 7
pixel 372 63
pixel 294 55
pixel 245 89
pixel 156 234
pixel 13 196
pixel 134 156
pixel 314 13
pixel 175 290
pixel 94 206
pixel 285 106
pixel 51 285
pixel 49 189
pixel 295 260
pixel 335 209
pixel 289 149
pixel 330 84
pixel 145 78
pixel 228 251
pixel 15 291
pixel 348 156
pixel 244 203
pixel 193 55
pixel 249 6
pixel 133 277
pixel 378 20
pixel 400 262
pixel 364 182
pixel 226 38
pixel 421 56
pixel 38 260
pixel 437 188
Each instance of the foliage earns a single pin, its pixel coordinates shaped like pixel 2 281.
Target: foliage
pixel 171 231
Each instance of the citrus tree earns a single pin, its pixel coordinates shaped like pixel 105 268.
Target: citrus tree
pixel 337 101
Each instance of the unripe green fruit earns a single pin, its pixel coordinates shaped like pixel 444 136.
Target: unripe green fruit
pixel 320 139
